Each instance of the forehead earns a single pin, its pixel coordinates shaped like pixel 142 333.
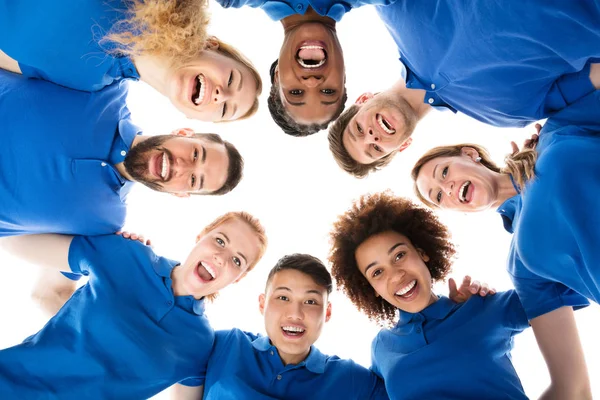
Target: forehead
pixel 248 93
pixel 353 145
pixel 298 282
pixel 241 236
pixel 379 244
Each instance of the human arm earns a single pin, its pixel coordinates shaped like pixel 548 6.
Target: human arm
pixel 47 250
pixel 182 392
pixel 558 340
pixel 8 63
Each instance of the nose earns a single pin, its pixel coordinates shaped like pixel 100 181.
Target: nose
pixel 449 188
pixel 294 311
pixel 398 275
pixel 372 136
pixel 312 81
pixel 220 95
pixel 219 259
pixel 179 167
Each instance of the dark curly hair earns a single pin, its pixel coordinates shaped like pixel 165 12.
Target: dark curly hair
pixel 377 213
pixel 285 121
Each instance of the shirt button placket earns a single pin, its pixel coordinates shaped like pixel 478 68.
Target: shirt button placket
pixel 278 377
pixel 299 7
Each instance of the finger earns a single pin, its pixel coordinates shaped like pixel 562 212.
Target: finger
pixel 452 289
pixel 538 127
pixel 148 242
pixel 141 239
pixel 126 235
pixel 475 286
pixel 484 289
pixel 118 233
pixel 492 291
pixel 515 148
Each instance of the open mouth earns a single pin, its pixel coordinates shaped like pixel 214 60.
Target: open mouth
pixel 385 125
pixel 205 271
pixel 160 166
pixel 465 193
pixel 199 90
pixel 408 291
pixel 292 331
pixel 311 56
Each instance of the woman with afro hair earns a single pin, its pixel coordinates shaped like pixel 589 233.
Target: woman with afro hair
pixel 386 254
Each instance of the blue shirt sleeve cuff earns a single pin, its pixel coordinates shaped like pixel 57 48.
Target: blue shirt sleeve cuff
pixel 569 298
pixel 77 257
pixel 192 382
pixel 576 85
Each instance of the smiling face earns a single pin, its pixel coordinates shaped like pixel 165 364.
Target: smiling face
pixel 212 87
pixel 220 257
pixel 458 183
pixel 382 125
pixel 179 165
pixel 295 308
pixel 396 270
pixel 311 73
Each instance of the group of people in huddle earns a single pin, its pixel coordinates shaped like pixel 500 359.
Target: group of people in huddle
pixel 70 160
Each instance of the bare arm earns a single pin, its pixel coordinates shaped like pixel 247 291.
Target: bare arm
pixel 181 392
pixel 557 337
pixel 8 63
pixel 47 250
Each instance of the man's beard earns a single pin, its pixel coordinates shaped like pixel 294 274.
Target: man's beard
pixel 137 160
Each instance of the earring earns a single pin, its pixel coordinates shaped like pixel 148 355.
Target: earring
pixel 478 159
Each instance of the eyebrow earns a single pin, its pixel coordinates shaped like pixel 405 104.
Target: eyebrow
pixel 429 193
pixel 295 104
pixel 229 241
pixel 313 291
pixel 389 252
pixel 203 154
pixel 241 80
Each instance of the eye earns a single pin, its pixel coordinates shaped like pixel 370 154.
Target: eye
pixel 193 181
pixel 377 148
pixel 376 273
pixel 328 92
pixel 220 242
pixel 237 261
pixel 195 157
pixel 358 128
pixel 283 298
pixel 311 302
pixel 439 196
pixel 444 172
pixel 224 110
pixel 296 92
pixel 230 78
pixel 399 256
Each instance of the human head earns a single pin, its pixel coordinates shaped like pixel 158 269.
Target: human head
pixel 227 248
pixel 308 79
pixel 376 221
pixel 371 132
pixel 295 305
pixel 185 163
pixel 466 178
pixel 174 32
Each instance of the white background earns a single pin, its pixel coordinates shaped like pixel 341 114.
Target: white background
pixel 297 190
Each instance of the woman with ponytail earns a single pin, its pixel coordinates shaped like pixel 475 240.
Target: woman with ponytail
pixel 90 44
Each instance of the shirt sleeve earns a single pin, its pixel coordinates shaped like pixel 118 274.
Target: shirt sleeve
pixel 80 255
pixel 515 316
pixel 192 382
pixel 374 366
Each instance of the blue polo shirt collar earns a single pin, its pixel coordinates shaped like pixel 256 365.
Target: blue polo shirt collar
pixel 507 211
pixel 315 362
pixel 163 268
pixel 438 310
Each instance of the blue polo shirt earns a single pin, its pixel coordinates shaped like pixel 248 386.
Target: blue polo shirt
pixel 123 335
pixel 246 366
pixel 554 257
pixel 57 155
pixel 453 351
pixel 57 40
pixel 279 9
pixel 502 63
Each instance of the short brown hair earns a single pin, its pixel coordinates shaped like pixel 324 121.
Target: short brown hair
pixel 520 165
pixel 341 155
pixel 252 222
pixel 377 213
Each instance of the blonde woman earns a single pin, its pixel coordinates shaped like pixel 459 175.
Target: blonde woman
pixel 90 44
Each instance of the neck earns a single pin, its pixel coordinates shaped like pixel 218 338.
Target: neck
pixel 505 189
pixel 414 97
pixel 293 358
pixel 121 166
pixel 295 20
pixel 154 71
pixel 177 280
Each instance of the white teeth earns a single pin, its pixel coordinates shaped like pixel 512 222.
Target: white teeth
pixel 202 91
pixel 209 269
pixel 463 191
pixel 292 329
pixel 304 65
pixel 384 126
pixel 406 288
pixel 311 48
pixel 163 172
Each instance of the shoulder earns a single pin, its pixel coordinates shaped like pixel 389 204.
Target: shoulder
pixel 110 248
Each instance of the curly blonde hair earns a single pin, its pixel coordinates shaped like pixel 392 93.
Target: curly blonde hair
pixel 521 165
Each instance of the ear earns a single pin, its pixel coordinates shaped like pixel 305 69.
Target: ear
pixel 181 195
pixel 376 294
pixel 186 132
pixel 276 74
pixel 470 152
pixel 212 43
pixel 328 312
pixel 423 256
pixel 261 303
pixel 404 145
pixel 363 98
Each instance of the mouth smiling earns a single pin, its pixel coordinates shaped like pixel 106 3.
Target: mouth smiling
pixel 160 166
pixel 206 272
pixel 385 124
pixel 311 55
pixel 465 193
pixel 408 292
pixel 199 91
pixel 293 331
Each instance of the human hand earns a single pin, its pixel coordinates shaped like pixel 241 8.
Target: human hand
pixel 134 236
pixel 467 289
pixel 530 143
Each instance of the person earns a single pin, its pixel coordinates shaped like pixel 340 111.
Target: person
pixel 308 79
pixel 540 194
pixel 160 42
pixel 386 252
pixel 138 325
pixel 455 58
pixel 69 159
